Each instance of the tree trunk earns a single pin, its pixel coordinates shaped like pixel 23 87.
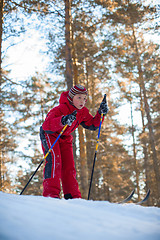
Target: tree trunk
pixel 150 125
pixel 75 65
pixel 144 145
pixel 83 161
pixel 68 54
pixel 134 155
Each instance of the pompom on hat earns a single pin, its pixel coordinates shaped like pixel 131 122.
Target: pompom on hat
pixel 77 89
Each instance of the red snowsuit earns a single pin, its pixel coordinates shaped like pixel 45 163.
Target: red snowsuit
pixel 60 162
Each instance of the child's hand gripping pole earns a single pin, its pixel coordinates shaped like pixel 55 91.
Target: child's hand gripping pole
pixel 104 102
pixel 74 113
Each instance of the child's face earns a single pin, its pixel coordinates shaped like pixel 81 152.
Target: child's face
pixel 79 100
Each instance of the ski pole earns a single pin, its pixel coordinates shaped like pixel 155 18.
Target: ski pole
pixel 44 158
pixel 95 155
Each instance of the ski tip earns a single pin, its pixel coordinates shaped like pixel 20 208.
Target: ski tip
pixel 145 198
pixel 128 198
pixel 148 193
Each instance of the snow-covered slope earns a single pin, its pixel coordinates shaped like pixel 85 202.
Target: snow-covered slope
pixel 39 218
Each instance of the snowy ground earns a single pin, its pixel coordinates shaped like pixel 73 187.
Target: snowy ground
pixel 39 218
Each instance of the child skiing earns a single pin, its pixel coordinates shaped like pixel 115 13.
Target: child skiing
pixel 59 166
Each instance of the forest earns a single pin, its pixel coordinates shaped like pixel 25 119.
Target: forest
pixel 109 46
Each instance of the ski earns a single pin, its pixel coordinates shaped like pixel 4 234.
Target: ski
pixel 128 198
pixel 145 198
pixel 131 195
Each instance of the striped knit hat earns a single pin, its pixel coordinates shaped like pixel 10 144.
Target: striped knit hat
pixel 77 89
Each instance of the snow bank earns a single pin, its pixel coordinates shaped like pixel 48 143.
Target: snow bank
pixel 39 218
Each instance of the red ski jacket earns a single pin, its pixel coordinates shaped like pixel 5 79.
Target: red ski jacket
pixel 53 125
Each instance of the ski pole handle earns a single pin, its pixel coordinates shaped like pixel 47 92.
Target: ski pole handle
pixel 104 101
pixel 104 98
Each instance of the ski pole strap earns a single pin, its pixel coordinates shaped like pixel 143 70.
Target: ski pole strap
pixel 55 141
pixel 99 131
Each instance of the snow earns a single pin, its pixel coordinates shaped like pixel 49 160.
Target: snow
pixel 38 218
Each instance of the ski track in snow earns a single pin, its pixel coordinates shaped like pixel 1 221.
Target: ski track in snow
pixel 39 218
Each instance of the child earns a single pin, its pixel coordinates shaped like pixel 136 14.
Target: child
pixel 59 164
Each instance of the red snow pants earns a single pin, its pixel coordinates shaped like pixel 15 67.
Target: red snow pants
pixel 59 167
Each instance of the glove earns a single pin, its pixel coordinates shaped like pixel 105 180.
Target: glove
pixel 103 107
pixel 69 119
